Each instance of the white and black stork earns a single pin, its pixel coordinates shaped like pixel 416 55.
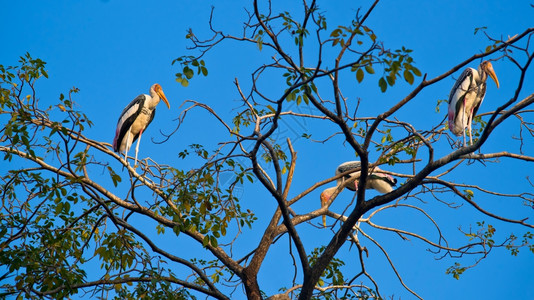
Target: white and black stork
pixel 466 97
pixel 381 182
pixel 135 118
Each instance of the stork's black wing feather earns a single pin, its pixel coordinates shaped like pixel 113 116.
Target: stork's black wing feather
pixel 383 178
pixel 461 89
pixel 461 86
pixel 480 95
pixel 346 166
pixel 126 119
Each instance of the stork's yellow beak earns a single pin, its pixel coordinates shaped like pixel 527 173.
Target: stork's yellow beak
pixel 160 93
pixel 491 73
pixel 162 96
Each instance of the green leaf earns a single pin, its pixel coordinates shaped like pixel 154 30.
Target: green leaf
pixel 184 82
pixel 480 28
pixel 382 84
pixel 469 194
pixel 369 69
pixel 408 76
pixel 116 179
pixel 359 75
pixel 213 241
pixel 335 33
pixel 415 71
pixel 59 208
pixel 188 72
pixel 391 80
pixel 306 99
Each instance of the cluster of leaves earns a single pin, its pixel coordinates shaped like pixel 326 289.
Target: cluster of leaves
pixel 395 63
pixel 485 233
pixel 332 274
pixel 296 30
pixel 157 288
pixel 243 119
pixel 456 270
pixel 342 34
pixel 117 250
pixel 526 241
pixel 340 37
pixel 42 238
pixel 48 221
pixel 485 237
pixel 289 25
pixel 218 273
pixel 20 130
pixel 300 93
pixel 203 204
pixel 19 107
pixel 188 64
pixel 393 150
pixel 478 126
pixel 40 213
pixel 279 153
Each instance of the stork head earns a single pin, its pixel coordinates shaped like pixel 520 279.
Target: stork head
pixel 391 179
pixel 487 67
pixel 158 90
pixel 377 174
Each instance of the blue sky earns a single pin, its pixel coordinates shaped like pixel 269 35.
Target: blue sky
pixel 114 50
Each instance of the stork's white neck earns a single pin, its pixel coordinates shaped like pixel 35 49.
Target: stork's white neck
pixel 482 75
pixel 153 99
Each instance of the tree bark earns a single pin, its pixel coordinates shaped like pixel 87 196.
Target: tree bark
pixel 250 281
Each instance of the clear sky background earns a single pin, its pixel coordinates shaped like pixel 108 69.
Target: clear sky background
pixel 114 50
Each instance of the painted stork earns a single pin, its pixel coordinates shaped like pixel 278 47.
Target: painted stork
pixel 377 180
pixel 135 118
pixel 466 97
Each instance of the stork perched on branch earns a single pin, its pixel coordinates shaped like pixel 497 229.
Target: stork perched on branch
pixel 376 180
pixel 466 97
pixel 135 118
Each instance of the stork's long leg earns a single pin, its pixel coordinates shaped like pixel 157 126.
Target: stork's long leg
pixel 463 121
pixel 127 147
pixel 137 147
pixel 469 128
